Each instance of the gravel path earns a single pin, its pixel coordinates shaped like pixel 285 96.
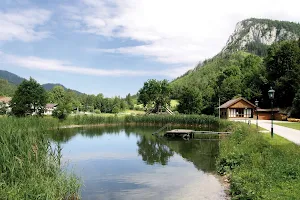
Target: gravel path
pixel 288 133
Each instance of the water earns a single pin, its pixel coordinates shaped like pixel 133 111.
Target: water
pixel 129 163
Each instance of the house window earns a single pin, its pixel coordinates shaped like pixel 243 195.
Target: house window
pixel 232 112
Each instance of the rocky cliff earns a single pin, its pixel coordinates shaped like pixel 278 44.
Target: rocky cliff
pixel 252 33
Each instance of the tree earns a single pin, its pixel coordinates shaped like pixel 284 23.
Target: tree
pixel 66 102
pixel 2 108
pixel 6 88
pixel 190 101
pixel 283 71
pixel 57 94
pixel 155 93
pixel 296 105
pixel 230 83
pixel 129 101
pixel 62 111
pixel 29 98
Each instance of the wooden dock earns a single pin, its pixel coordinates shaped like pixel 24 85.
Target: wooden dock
pixel 185 133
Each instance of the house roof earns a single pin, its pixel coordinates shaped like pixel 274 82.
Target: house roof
pixel 5 99
pixel 51 105
pixel 233 101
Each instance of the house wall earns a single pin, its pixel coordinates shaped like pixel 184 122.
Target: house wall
pixel 241 104
pixel 280 116
pixel 262 116
pixel 268 116
pixel 223 113
pixel 49 111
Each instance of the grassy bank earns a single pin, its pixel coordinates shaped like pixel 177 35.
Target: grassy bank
pixel 259 167
pixel 294 125
pixel 29 166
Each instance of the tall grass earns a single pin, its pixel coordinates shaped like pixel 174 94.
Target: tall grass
pixel 29 165
pixel 260 167
pixel 188 120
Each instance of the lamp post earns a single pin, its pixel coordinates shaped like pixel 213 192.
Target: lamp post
pixel 271 93
pixel 256 104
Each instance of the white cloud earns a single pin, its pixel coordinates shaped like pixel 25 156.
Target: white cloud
pixel 32 62
pixel 22 25
pixel 182 32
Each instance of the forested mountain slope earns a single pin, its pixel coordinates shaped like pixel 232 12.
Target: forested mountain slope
pixel 244 66
pixel 7 88
pixel 10 77
pixel 224 77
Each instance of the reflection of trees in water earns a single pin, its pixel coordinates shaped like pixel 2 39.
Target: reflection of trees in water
pixel 154 151
pixel 64 135
pixel 202 153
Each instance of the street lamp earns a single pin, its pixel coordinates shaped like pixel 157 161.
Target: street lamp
pixel 256 104
pixel 271 93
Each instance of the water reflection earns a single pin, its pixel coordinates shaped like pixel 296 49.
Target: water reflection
pixel 130 163
pixel 154 150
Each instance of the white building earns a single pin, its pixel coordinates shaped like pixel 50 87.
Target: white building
pixel 49 108
pixel 5 102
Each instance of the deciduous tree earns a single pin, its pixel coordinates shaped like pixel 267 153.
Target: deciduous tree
pixel 155 93
pixel 30 98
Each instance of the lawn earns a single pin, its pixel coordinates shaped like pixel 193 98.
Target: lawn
pixel 293 125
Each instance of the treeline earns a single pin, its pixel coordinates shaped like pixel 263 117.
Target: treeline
pixel 288 26
pixel 243 74
pixel 31 98
pixel 6 88
pixel 90 103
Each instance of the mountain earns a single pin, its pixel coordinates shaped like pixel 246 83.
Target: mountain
pixel 10 80
pixel 239 68
pixel 50 86
pixel 10 77
pixel 254 35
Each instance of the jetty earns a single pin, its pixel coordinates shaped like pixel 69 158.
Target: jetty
pixel 186 133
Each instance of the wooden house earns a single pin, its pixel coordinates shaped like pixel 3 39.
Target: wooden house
pixel 237 108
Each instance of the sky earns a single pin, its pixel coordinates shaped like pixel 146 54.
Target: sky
pixel 113 46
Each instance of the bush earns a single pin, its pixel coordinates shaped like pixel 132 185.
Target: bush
pixel 97 111
pixel 62 111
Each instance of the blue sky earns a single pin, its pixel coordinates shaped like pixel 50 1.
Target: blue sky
pixel 114 46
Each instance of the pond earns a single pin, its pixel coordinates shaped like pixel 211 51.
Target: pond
pixel 130 163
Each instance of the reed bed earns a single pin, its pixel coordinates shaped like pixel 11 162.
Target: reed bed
pixel 93 119
pixel 29 164
pixel 185 120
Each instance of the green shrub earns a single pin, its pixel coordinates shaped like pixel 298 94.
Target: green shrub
pixel 97 111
